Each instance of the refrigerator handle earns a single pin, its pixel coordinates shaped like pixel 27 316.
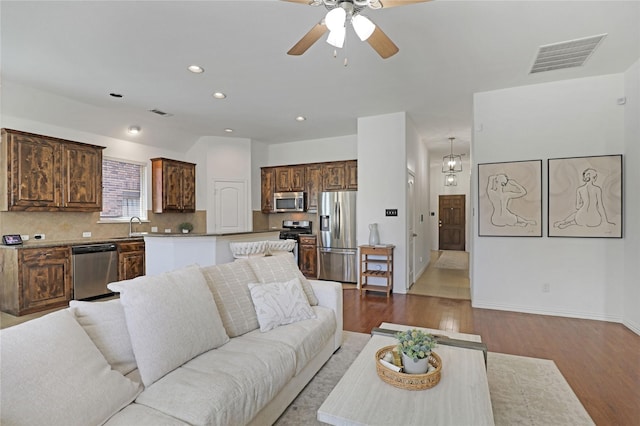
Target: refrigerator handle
pixel 339 221
pixel 336 218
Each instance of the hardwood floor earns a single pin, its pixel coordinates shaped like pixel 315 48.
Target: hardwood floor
pixel 600 360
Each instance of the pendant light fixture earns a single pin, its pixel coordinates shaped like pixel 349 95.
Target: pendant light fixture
pixel 451 163
pixel 450 179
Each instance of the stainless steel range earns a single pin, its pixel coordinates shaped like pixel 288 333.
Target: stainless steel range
pixel 291 229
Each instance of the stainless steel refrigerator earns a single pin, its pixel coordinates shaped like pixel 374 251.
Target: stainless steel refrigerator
pixel 337 248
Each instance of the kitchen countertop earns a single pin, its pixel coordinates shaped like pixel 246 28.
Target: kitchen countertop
pixel 105 240
pixel 74 242
pixel 195 234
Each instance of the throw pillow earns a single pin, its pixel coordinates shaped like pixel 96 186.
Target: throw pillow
pixel 106 325
pixel 52 374
pixel 228 283
pixel 273 269
pixel 171 318
pixel 279 304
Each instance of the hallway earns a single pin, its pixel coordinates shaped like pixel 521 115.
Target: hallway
pixel 449 279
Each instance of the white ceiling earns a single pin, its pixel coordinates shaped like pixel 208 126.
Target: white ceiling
pixel 83 50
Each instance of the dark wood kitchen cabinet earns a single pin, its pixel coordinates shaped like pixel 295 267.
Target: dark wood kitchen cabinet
pixel 308 256
pixel 313 185
pixel 173 186
pixel 340 176
pixel 289 179
pixel 267 186
pixel 35 279
pixel 43 173
pixel 131 260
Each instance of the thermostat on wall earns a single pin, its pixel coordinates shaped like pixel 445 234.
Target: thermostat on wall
pixel 11 240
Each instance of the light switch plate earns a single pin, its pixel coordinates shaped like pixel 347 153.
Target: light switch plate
pixel 86 234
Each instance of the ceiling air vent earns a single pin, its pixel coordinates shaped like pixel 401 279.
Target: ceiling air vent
pixel 162 113
pixel 566 54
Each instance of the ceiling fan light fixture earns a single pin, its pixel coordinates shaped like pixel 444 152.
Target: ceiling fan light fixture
pixel 336 37
pixel 363 26
pixel 335 19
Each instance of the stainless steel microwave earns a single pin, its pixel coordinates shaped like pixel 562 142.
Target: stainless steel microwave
pixel 289 202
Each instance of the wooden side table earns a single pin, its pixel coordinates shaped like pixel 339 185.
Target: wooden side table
pixel 376 262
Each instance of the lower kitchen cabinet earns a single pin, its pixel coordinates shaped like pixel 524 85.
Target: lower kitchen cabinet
pixel 131 260
pixel 308 256
pixel 35 279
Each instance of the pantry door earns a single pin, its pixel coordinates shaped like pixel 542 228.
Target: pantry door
pixel 230 201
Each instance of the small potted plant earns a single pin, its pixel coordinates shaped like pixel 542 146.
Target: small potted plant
pixel 415 347
pixel 186 227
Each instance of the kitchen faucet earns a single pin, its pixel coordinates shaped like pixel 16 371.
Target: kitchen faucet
pixel 131 224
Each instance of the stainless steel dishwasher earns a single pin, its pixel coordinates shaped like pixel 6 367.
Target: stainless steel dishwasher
pixel 94 266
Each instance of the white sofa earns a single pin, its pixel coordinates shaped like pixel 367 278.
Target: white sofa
pixel 184 347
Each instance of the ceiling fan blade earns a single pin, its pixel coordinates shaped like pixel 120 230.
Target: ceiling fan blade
pixel 309 38
pixel 393 3
pixel 382 44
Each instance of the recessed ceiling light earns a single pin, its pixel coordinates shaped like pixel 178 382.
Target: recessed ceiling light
pixel 228 130
pixel 301 118
pixel 134 130
pixel 196 69
pixel 219 95
pixel 115 95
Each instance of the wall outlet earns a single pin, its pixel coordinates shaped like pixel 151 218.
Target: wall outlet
pixel 86 234
pixel 546 288
pixel 25 237
pixel 38 236
pixel 167 230
pixel 154 229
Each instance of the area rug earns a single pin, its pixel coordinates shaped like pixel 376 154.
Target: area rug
pixel 450 259
pixel 524 391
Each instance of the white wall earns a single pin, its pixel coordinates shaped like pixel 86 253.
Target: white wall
pixel 312 151
pixel 631 316
pixel 562 119
pixel 422 200
pixel 438 188
pixel 382 177
pixel 223 158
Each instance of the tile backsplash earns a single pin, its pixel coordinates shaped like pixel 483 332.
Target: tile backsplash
pixel 60 226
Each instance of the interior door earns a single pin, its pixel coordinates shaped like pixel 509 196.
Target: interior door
pixel 230 206
pixel 411 233
pixel 451 222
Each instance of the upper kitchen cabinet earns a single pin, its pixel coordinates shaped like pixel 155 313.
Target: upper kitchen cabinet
pixel 267 187
pixel 340 175
pixel 289 179
pixel 173 186
pixel 43 173
pixel 313 185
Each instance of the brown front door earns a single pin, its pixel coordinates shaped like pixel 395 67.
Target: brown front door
pixel 451 223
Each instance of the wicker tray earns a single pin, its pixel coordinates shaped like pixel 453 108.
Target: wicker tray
pixel 409 381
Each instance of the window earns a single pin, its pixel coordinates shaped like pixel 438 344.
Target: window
pixel 123 189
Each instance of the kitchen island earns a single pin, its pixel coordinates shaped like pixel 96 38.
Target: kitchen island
pixel 167 252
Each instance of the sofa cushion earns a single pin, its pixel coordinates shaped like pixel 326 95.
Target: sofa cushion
pixel 106 325
pixel 171 318
pixel 228 283
pixel 280 303
pixel 306 337
pixel 140 415
pixel 53 374
pixel 271 269
pixel 225 386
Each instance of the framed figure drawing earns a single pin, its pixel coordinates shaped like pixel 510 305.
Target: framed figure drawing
pixel 585 197
pixel 510 199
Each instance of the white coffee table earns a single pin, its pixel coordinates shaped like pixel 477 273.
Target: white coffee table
pixel 461 397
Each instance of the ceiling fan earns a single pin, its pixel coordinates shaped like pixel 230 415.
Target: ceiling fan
pixel 340 13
